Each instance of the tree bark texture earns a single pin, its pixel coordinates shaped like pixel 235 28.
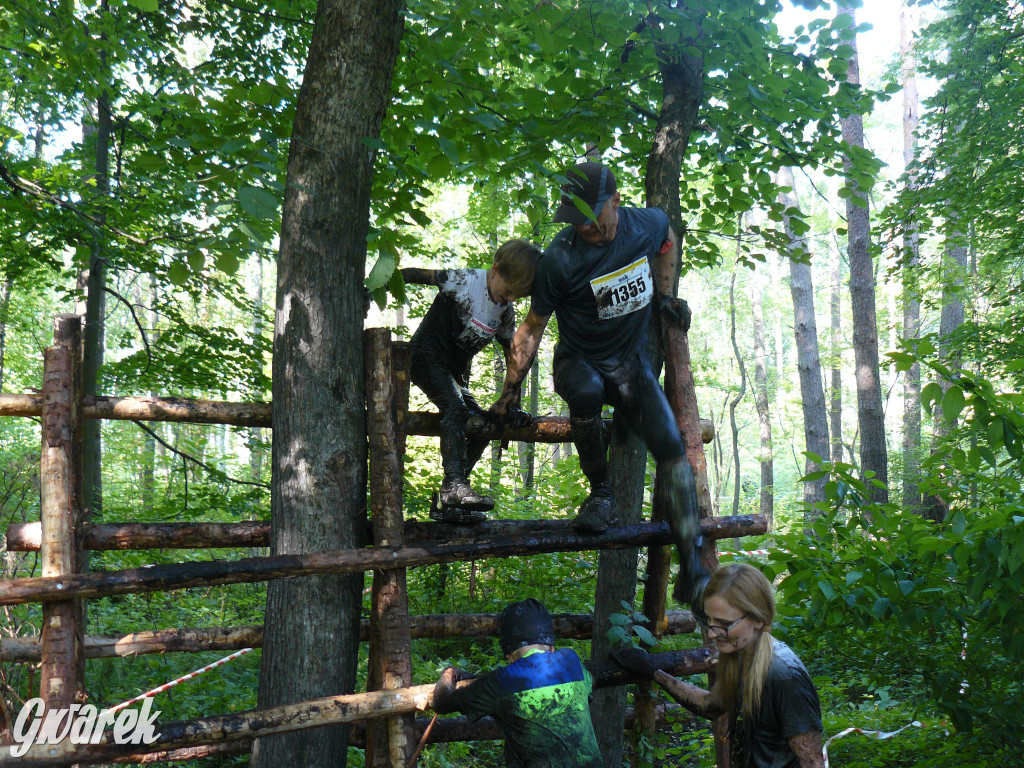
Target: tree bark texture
pixel 870 416
pixel 158 578
pixel 60 488
pixel 761 401
pixel 319 444
pixel 388 741
pixel 572 626
pixel 808 355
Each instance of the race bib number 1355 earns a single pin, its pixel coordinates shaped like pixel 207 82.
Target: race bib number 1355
pixel 624 290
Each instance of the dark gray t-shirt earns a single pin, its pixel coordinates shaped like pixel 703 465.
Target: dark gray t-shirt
pixel 601 294
pixel 789 706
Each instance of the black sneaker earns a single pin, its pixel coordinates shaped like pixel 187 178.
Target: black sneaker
pixel 596 514
pixel 454 515
pixel 456 492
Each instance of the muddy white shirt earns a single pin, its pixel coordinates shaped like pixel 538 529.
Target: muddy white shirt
pixel 462 321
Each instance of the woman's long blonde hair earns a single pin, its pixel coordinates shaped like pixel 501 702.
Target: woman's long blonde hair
pixel 745 588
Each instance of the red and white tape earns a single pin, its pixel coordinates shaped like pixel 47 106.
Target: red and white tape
pixel 870 734
pixel 181 679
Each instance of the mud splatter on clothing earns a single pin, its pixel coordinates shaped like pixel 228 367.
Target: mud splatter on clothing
pixel 789 707
pixel 601 294
pixel 541 702
pixel 461 321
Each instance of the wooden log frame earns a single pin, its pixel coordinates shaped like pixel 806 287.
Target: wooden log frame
pixel 60 675
pixel 389 741
pixel 568 626
pixel 25 537
pixel 329 710
pixel 446 730
pixel 247 570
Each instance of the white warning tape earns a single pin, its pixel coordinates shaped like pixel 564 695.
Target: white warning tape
pixel 181 679
pixel 870 734
pixel 750 551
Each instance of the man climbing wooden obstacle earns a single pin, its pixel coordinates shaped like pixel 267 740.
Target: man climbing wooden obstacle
pixel 601 276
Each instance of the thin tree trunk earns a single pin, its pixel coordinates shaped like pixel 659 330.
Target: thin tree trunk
pixel 255 433
pixel 739 395
pixel 528 450
pixel 808 355
pixel 911 267
pixel 319 449
pixel 5 303
pixel 761 401
pixel 870 415
pixel 95 280
pixel 836 386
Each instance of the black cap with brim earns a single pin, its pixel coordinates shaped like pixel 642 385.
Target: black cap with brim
pixel 589 185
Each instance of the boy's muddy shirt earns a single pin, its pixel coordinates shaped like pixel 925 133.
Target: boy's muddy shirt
pixel 541 702
pixel 462 320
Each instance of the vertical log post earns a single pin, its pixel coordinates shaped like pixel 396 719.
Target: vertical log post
pixel 682 396
pixel 389 741
pixel 60 498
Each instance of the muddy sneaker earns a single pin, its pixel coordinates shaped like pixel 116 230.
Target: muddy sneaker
pixel 456 492
pixel 676 496
pixel 596 513
pixel 453 515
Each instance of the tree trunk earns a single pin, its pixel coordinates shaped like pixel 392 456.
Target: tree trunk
pixel 874 462
pixel 147 479
pixel 808 355
pixel 5 303
pixel 255 440
pixel 836 385
pixel 95 279
pixel 738 397
pixel 761 401
pixel 911 267
pixel 319 450
pixel 528 450
pixel 682 78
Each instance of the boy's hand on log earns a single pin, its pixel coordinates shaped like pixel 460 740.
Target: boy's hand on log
pixel 635 660
pixel 676 312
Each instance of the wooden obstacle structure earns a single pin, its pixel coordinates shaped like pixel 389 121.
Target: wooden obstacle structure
pixel 388 707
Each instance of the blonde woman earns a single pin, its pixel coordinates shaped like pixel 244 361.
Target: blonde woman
pixel 764 688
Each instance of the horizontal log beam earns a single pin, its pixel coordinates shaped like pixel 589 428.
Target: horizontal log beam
pixel 253 569
pixel 329 710
pixel 546 429
pixel 574 626
pixel 445 731
pixel 25 537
